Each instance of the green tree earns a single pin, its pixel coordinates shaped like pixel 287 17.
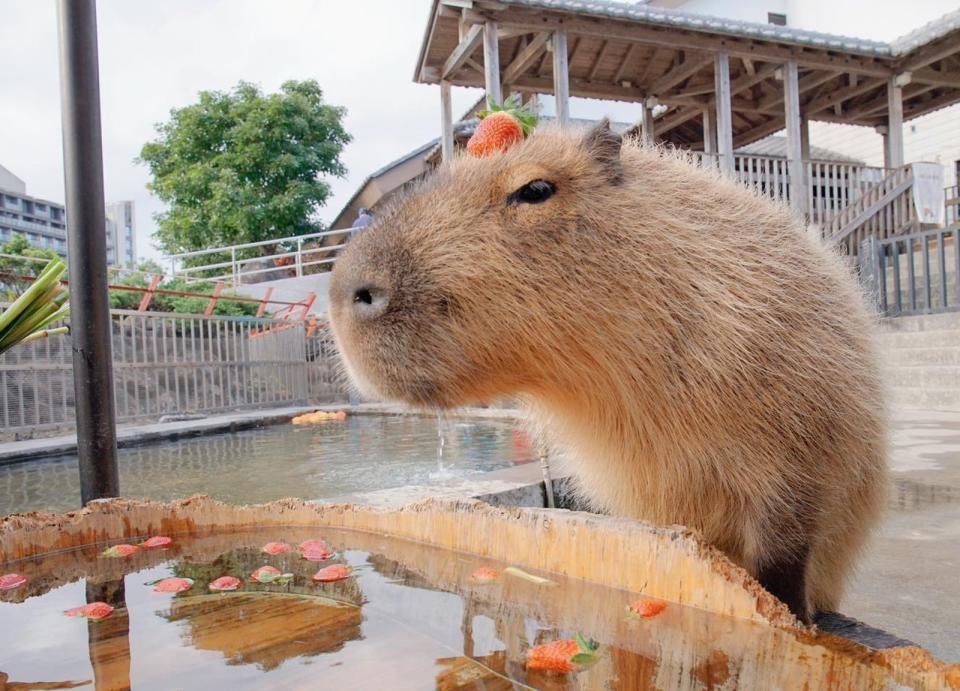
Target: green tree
pixel 20 260
pixel 243 166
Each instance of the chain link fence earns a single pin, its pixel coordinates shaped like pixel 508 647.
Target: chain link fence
pixel 172 364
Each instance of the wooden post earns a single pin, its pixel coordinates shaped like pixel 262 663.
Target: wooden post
pixel 446 121
pixel 646 123
pixel 491 61
pixel 721 72
pixel 561 77
pixel 795 168
pixel 804 137
pixel 148 296
pixel 893 150
pixel 264 302
pixel 709 132
pixel 212 305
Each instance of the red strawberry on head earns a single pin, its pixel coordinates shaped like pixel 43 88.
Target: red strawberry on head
pixel 501 127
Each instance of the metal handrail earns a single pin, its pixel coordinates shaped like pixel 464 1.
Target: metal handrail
pixel 260 243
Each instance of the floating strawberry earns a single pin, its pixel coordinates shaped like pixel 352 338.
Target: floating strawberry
pixel 224 583
pixel 172 585
pixel 12 580
pixel 269 574
pixel 485 575
pixel 646 608
pixel 120 551
pixel 157 542
pixel 501 127
pixel 275 548
pixel 314 546
pixel 567 655
pixel 335 572
pixel 318 555
pixel 95 611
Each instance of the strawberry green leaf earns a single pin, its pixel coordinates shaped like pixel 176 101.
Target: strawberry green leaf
pixel 583 658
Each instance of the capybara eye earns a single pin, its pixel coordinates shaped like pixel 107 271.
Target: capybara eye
pixel 533 192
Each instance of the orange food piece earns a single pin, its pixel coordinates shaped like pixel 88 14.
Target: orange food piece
pixel 501 127
pixel 554 657
pixel 224 583
pixel 335 572
pixel 10 581
pixel 95 611
pixel 646 607
pixel 157 541
pixel 120 551
pixel 314 546
pixel 317 555
pixel 173 585
pixel 275 548
pixel 485 575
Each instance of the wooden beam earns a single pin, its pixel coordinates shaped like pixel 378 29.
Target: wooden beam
pixel 842 95
pixel 525 58
pixel 880 104
pixel 595 67
pixel 894 152
pixel 698 41
pixel 647 134
pixel 463 51
pixel 446 121
pixel 491 61
pixel 759 132
pixel 791 88
pixel 561 77
pixel 624 63
pixel 680 73
pixel 721 70
pixel 935 78
pixel 944 48
pixel 709 132
pixel 671 120
pixel 771 104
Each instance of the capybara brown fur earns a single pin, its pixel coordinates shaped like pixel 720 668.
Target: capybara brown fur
pixel 698 354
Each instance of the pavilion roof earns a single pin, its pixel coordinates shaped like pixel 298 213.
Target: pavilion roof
pixel 632 52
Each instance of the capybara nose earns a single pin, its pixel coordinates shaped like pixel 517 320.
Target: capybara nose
pixel 370 301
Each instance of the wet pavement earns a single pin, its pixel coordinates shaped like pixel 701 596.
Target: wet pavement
pixel 909 580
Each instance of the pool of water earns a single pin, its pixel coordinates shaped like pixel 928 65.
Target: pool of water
pixel 407 616
pixel 362 453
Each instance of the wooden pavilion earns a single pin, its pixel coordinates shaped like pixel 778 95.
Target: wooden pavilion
pixel 711 86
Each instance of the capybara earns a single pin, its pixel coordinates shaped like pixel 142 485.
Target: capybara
pixel 702 358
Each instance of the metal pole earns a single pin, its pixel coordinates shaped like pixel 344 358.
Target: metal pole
pixel 87 249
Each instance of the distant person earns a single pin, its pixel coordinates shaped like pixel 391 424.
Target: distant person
pixel 364 218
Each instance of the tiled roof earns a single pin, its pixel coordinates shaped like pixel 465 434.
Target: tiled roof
pixel 687 20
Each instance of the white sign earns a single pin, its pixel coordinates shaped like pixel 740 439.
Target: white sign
pixel 928 192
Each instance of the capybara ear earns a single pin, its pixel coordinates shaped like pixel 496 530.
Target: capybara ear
pixel 604 145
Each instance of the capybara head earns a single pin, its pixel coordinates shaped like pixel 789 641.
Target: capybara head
pixel 461 291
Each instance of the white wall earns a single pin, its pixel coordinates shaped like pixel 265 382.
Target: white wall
pixel 9 181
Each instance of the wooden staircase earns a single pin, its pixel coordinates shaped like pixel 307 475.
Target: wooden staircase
pixel 884 210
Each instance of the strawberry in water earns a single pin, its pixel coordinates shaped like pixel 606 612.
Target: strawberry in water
pixel 501 127
pixel 485 575
pixel 646 608
pixel 275 548
pixel 315 550
pixel 12 580
pixel 157 542
pixel 95 611
pixel 172 585
pixel 269 574
pixel 566 655
pixel 335 572
pixel 120 551
pixel 224 583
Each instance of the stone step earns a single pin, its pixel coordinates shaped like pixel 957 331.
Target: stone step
pixel 891 340
pixel 945 321
pixel 925 398
pixel 900 356
pixel 923 377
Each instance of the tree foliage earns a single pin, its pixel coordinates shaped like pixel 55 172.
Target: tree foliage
pixel 130 300
pixel 18 264
pixel 242 166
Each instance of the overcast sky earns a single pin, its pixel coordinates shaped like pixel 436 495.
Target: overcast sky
pixel 155 56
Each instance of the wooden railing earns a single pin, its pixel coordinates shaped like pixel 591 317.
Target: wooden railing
pixel 882 211
pixel 831 185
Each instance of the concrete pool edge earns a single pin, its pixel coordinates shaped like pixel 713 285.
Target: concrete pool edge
pixel 137 434
pixel 664 562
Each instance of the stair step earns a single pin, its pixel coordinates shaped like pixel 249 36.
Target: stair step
pixel 925 398
pixel 894 357
pixel 891 340
pixel 923 376
pixel 945 321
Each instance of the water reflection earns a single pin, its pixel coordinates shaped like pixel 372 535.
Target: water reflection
pixel 108 640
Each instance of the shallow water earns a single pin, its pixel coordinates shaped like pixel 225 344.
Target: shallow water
pixel 407 618
pixel 362 453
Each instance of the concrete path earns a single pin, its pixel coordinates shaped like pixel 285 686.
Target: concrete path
pixel 909 581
